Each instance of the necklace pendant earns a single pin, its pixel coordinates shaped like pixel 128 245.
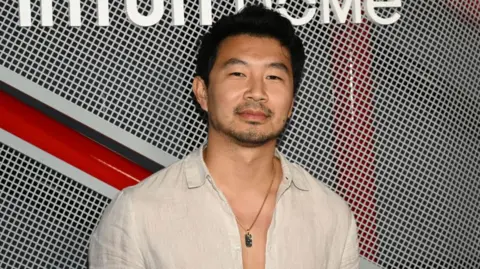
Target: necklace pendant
pixel 248 240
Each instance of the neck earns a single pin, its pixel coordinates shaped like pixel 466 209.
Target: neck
pixel 238 167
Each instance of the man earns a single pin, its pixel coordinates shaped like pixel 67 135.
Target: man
pixel 236 202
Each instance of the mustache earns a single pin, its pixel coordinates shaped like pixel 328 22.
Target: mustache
pixel 253 106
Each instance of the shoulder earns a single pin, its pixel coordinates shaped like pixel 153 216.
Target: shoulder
pixel 150 199
pixel 166 179
pixel 323 194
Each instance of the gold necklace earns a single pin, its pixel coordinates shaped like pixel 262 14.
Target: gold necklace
pixel 248 235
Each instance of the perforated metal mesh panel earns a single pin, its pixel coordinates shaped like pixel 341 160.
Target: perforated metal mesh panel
pixel 46 218
pixel 388 116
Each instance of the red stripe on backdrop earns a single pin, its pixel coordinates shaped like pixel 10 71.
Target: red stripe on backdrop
pixel 468 10
pixel 66 144
pixel 353 120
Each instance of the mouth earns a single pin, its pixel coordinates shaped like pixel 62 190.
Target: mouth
pixel 253 115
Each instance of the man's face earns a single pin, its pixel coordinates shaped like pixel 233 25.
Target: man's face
pixel 250 94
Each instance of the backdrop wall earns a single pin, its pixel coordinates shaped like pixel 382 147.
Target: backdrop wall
pixel 387 116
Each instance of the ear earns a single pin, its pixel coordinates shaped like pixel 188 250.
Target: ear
pixel 290 111
pixel 200 91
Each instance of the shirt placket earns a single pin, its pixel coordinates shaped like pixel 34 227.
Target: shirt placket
pixel 271 257
pixel 233 234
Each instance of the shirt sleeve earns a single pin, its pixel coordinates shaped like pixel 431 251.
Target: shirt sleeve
pixel 113 244
pixel 350 257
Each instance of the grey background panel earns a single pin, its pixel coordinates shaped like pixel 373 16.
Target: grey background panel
pixel 424 72
pixel 46 218
pixel 427 125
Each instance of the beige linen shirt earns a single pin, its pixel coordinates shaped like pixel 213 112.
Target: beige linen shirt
pixel 178 219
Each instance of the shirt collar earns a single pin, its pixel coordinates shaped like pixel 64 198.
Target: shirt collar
pixel 196 171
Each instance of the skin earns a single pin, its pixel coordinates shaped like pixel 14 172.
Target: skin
pixel 248 100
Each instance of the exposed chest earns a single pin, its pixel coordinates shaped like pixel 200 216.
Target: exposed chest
pixel 253 228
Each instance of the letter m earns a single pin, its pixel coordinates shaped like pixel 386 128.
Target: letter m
pixel 47 12
pixel 340 12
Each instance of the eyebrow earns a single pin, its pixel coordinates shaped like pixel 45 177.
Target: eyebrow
pixel 280 66
pixel 236 61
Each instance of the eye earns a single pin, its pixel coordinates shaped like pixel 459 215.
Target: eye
pixel 272 77
pixel 237 74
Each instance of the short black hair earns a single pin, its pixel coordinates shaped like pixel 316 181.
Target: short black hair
pixel 254 20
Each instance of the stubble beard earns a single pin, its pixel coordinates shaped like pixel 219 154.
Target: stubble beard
pixel 252 137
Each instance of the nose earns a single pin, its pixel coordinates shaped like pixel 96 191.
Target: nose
pixel 256 90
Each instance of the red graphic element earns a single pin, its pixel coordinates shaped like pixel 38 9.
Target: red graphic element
pixel 468 10
pixel 353 118
pixel 85 154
